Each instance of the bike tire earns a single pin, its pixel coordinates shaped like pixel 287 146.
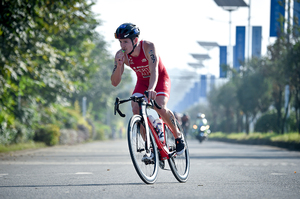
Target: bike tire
pixel 136 144
pixel 179 164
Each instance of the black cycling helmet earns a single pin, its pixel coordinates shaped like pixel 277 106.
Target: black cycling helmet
pixel 127 30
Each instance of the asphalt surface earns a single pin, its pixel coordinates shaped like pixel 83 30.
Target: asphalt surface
pixel 104 170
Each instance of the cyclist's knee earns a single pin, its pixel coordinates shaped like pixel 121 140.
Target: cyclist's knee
pixel 162 102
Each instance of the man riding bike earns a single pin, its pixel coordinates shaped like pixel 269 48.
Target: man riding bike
pixel 152 76
pixel 185 123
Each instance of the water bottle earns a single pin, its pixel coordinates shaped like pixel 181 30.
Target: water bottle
pixel 157 124
pixel 160 132
pixel 152 120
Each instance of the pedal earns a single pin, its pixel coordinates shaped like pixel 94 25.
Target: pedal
pixel 172 148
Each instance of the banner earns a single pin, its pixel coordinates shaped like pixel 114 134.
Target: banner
pixel 239 46
pixel 296 19
pixel 277 10
pixel 256 41
pixel 223 60
pixel 203 85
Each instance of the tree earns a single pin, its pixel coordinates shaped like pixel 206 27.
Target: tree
pixel 294 78
pixel 50 53
pixel 253 92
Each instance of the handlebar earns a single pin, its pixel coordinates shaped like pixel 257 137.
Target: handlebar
pixel 135 99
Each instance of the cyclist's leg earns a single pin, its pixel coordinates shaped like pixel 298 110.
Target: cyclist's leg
pixel 167 115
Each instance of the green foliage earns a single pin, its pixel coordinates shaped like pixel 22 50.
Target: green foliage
pixel 21 146
pixel 51 56
pixel 288 137
pixel 7 135
pixel 44 48
pixel 223 104
pixel 266 123
pixel 100 131
pixel 64 119
pixel 49 134
pixel 77 116
pixel 77 107
pixel 259 86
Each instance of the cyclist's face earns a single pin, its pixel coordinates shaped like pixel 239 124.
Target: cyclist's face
pixel 126 45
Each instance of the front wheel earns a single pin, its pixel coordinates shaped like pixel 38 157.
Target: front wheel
pixel 179 164
pixel 136 143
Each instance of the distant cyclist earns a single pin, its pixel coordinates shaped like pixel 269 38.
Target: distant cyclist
pixel 185 122
pixel 152 76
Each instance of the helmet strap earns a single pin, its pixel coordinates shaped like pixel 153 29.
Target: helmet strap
pixel 134 45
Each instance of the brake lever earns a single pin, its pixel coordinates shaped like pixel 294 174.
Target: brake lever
pixel 116 105
pixel 116 109
pixel 152 101
pixel 120 113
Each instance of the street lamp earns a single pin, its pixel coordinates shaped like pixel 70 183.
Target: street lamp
pixel 196 65
pixel 200 58
pixel 208 45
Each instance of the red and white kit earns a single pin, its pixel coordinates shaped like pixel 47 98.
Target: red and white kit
pixel 141 67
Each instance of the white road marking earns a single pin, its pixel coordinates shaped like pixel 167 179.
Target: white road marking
pixel 83 173
pixel 3 174
pixel 278 174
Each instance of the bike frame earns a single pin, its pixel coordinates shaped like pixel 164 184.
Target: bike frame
pixel 162 148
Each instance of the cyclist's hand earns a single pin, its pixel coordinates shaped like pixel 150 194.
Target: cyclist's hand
pixel 120 58
pixel 151 95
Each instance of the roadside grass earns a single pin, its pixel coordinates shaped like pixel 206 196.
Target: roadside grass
pixel 288 137
pixel 292 137
pixel 21 146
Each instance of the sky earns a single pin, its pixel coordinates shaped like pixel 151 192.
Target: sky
pixel 175 26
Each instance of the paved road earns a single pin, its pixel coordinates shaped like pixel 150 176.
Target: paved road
pixel 104 170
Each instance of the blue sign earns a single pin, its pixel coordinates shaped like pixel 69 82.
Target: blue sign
pixel 223 60
pixel 296 21
pixel 256 41
pixel 203 85
pixel 239 46
pixel 277 10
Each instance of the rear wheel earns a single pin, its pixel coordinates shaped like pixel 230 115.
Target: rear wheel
pixel 146 170
pixel 179 164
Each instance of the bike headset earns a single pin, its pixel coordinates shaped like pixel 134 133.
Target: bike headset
pixel 128 30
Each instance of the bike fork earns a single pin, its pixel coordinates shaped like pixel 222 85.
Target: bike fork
pixel 143 113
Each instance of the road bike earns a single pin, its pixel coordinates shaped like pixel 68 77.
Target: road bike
pixel 146 141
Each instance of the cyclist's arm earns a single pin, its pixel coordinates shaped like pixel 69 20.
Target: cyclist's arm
pixel 153 58
pixel 118 69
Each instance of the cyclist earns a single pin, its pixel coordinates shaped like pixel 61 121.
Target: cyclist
pixel 185 120
pixel 152 76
